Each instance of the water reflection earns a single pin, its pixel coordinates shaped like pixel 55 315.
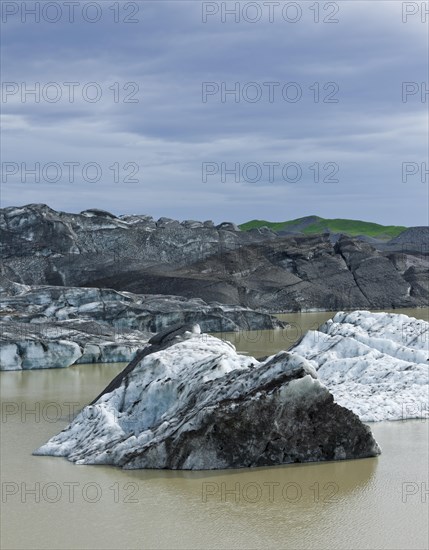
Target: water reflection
pixel 302 484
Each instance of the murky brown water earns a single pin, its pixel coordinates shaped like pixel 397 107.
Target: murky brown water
pixel 50 503
pixel 259 343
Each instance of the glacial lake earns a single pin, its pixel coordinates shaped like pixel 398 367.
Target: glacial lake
pixel 49 502
pixel 259 343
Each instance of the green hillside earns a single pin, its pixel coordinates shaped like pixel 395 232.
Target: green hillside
pixel 314 224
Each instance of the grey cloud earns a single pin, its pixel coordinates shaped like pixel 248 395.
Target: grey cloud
pixel 170 132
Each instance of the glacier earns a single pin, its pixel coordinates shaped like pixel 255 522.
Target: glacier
pixel 376 364
pixel 55 327
pixel 193 402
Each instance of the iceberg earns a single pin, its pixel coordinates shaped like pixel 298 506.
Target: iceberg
pixel 190 401
pixel 376 364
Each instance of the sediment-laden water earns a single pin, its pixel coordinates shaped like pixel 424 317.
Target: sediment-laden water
pixel 48 502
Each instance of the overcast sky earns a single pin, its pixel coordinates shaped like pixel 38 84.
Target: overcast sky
pixel 328 136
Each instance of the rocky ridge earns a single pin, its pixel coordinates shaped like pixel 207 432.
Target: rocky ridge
pixel 258 269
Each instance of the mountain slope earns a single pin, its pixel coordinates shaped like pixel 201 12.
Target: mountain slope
pixel 258 269
pixel 311 225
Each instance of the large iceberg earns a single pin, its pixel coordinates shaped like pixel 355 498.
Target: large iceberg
pixel 195 403
pixel 50 327
pixel 27 346
pixel 376 364
pixel 190 401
